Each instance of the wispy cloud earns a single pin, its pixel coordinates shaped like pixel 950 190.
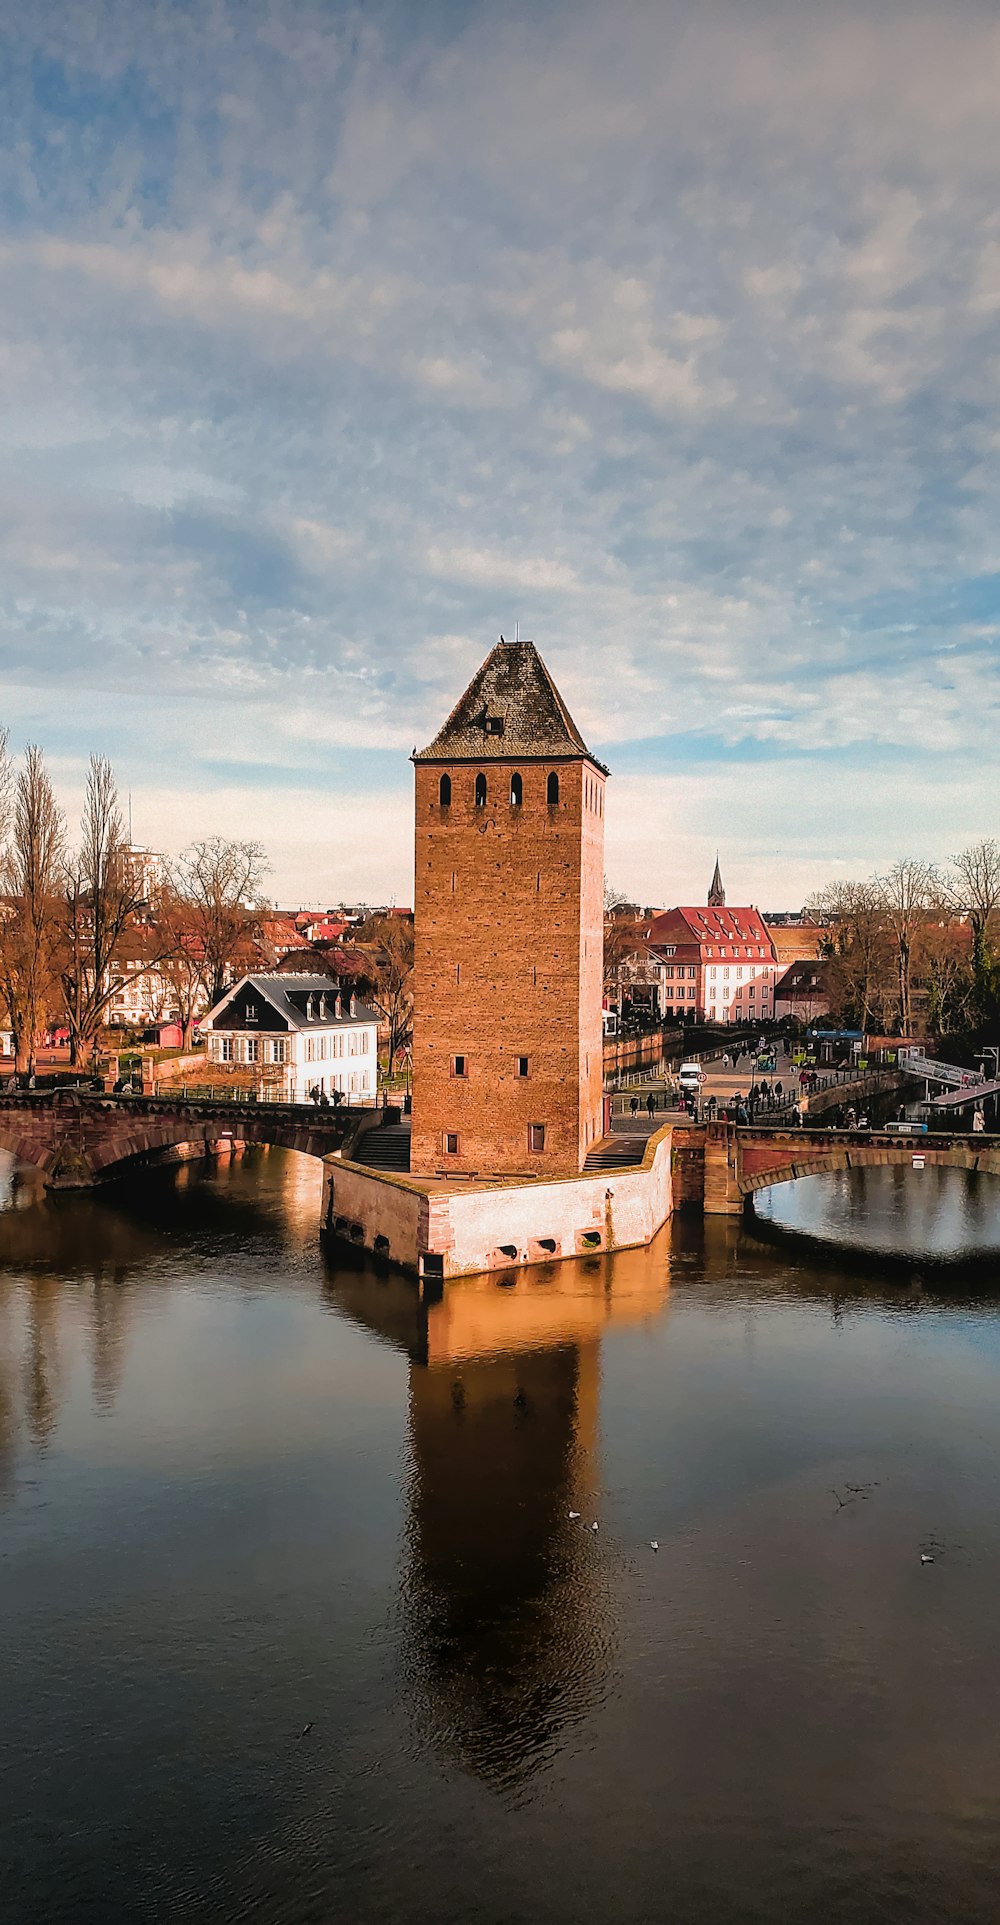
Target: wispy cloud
pixel 331 346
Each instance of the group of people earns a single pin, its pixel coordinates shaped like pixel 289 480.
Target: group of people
pixel 651 1106
pixel 321 1099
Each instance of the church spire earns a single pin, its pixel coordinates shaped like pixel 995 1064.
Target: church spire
pixel 717 894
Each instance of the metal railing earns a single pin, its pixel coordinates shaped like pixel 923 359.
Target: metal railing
pixel 263 1095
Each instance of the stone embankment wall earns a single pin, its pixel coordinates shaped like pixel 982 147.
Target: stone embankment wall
pixel 670 1044
pixel 880 1083
pixel 467 1229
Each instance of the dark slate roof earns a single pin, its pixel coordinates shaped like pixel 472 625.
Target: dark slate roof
pixel 514 690
pixel 285 992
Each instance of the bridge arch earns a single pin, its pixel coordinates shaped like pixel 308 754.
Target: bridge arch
pixel 832 1160
pixel 78 1139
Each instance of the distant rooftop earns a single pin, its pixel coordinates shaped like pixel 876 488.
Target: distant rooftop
pixel 511 707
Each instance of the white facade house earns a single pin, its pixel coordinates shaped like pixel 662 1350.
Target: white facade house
pixel 290 1035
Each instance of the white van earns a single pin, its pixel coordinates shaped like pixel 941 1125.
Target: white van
pixel 691 1077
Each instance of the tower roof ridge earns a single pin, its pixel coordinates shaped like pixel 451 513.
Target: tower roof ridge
pixel 511 707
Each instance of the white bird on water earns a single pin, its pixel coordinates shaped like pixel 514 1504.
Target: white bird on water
pixel 926 1558
pixel 573 1516
pixel 595 1527
pixel 654 1543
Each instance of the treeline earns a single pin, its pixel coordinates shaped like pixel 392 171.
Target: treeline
pixel 917 948
pixel 71 910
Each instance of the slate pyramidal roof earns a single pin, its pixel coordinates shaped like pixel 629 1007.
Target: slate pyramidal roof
pixel 511 708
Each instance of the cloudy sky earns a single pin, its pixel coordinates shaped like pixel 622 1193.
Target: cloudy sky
pixel 334 341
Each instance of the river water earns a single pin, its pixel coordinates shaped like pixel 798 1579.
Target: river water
pixel 295 1624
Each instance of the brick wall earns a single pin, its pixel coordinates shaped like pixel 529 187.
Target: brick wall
pixel 508 963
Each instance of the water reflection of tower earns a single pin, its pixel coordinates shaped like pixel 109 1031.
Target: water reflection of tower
pixel 507 1632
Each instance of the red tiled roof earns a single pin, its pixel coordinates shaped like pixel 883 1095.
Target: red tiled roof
pixel 723 926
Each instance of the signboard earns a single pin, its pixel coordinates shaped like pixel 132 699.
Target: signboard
pixel 918 1162
pixel 798 1058
pixel 765 1063
pixel 890 1055
pixel 862 1062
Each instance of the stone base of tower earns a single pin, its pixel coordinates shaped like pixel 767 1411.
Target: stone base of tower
pixel 440 1229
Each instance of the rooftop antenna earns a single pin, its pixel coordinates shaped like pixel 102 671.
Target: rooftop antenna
pixel 517 633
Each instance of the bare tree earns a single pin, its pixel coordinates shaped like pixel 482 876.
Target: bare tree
pixel 31 858
pixel 862 975
pixel 103 892
pixel 614 897
pixel 390 964
pixel 218 883
pixel 974 890
pixel 941 966
pixel 974 885
pixel 182 958
pixel 908 893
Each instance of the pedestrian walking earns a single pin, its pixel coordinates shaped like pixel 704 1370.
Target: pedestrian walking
pixel 978 1122
pixel 797 1115
pixel 634 1106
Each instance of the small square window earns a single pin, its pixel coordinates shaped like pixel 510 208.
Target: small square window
pixel 458 1066
pixel 536 1136
pixel 451 1142
pixel 522 1066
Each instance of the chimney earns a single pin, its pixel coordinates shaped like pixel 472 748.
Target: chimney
pixel 338 1007
pixel 354 1005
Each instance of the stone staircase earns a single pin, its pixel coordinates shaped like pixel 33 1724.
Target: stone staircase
pixel 386 1148
pixel 618 1152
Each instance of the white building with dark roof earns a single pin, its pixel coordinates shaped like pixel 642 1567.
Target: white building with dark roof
pixel 292 1035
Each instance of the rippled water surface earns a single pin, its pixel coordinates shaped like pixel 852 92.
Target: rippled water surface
pixel 937 1214
pixel 295 1623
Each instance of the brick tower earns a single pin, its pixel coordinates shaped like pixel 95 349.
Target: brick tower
pixel 509 905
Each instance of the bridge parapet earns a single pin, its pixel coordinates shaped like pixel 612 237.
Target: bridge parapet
pixel 77 1137
pixel 741 1160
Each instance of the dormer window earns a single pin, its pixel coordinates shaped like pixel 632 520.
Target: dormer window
pixel 494 725
pixel 252 1013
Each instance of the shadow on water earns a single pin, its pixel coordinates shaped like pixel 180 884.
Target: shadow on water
pixel 939 1227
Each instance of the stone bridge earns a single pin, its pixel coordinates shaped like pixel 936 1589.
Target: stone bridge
pixel 718 1167
pixel 77 1138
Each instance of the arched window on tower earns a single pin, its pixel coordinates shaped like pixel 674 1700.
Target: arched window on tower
pixel 480 791
pixel 445 792
pixel 552 790
pixel 516 791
